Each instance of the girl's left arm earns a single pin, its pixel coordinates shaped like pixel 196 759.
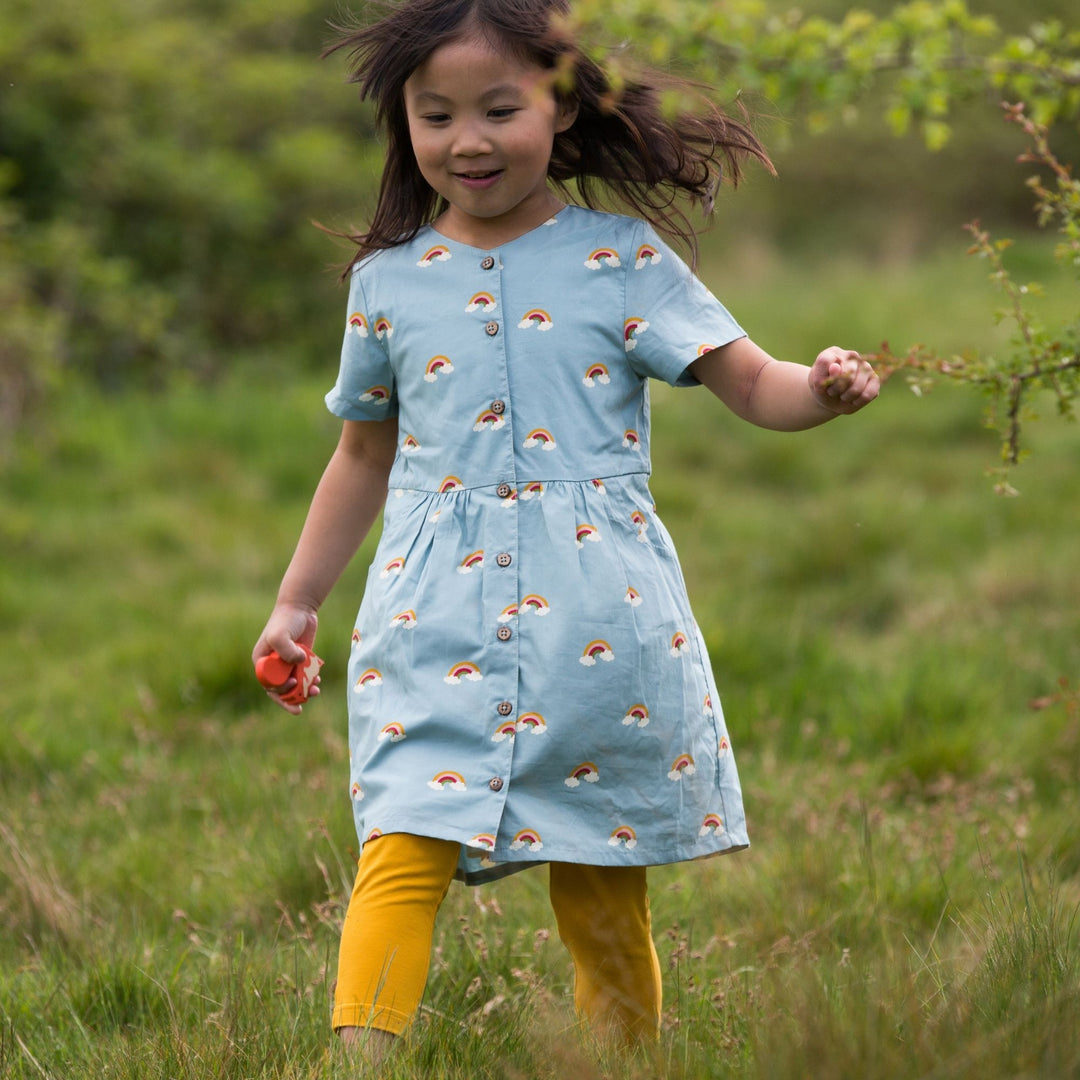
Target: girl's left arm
pixel 783 396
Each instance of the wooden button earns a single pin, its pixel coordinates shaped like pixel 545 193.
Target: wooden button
pixel 495 783
pixel 504 559
pixel 504 491
pixel 491 329
pixel 504 633
pixel 505 708
pixel 498 406
pixel 487 262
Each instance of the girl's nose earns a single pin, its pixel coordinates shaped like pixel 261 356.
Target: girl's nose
pixel 470 140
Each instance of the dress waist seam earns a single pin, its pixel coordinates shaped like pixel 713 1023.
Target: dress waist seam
pixel 532 480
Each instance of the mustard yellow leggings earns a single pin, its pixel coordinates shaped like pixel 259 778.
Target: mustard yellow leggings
pixel 602 914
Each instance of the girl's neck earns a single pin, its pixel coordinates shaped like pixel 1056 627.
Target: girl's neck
pixel 489 233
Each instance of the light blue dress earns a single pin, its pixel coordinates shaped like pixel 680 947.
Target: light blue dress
pixel 527 677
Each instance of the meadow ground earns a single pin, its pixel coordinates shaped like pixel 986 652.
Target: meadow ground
pixel 890 639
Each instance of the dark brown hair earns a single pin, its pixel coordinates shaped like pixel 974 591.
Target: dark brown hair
pixel 623 143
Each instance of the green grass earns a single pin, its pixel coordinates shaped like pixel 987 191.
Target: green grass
pixel 175 853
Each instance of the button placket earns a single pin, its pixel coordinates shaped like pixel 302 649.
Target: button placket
pixel 502 587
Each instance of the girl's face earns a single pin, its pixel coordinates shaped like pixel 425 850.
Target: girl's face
pixel 482 127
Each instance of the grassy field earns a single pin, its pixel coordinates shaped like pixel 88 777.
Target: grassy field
pixel 889 638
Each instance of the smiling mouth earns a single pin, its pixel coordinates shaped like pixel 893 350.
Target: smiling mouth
pixel 487 175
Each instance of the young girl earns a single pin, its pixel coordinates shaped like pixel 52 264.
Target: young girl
pixel 527 681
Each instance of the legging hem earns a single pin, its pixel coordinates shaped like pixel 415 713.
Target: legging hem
pixel 370 1015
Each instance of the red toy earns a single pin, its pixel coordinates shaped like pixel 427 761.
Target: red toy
pixel 272 671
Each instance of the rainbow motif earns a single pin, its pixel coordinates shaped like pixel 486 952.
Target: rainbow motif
pixel 712 823
pixel 409 445
pixel 527 838
pixel 464 670
pixel 624 836
pixel 633 328
pixel 705 349
pixel 471 562
pixel 450 483
pixel 447 781
pixel 380 395
pixel 481 842
pixel 636 714
pixel 586 771
pixel 508 613
pixel 532 722
pixel 371 677
pixel 679 643
pixel 395 732
pixel 540 437
pixel 682 766
pixel 646 254
pixel 488 420
pixel 358 324
pixel 436 366
pixel 438 253
pixel 597 373
pixel 506 730
pixel 706 707
pixel 535 490
pixel 394 566
pixel 598 487
pixel 356 792
pixel 586 532
pixel 724 747
pixel 630 439
pixel 383 327
pixel 535 603
pixel 536 318
pixel 481 301
pixel 601 257
pixel 597 650
pixel 633 597
pixel 405 619
pixel 373 835
pixel 357 638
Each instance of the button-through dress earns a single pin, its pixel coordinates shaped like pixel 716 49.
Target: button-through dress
pixel 526 676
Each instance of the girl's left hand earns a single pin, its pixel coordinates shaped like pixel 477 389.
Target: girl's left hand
pixel 842 381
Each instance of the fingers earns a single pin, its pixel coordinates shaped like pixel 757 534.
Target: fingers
pixel 283 645
pixel 843 380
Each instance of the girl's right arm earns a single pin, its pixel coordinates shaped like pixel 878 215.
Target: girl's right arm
pixel 345 505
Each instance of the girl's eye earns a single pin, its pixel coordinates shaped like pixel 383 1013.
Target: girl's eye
pixel 436 118
pixel 503 113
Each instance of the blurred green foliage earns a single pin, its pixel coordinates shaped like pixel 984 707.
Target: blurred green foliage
pixel 161 164
pixel 159 168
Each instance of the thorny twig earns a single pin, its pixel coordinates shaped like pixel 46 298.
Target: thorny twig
pixel 1040 359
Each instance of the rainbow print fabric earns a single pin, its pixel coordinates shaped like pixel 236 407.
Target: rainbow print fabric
pixel 526 675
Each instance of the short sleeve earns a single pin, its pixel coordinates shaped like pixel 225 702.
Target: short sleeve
pixel 365 387
pixel 671 318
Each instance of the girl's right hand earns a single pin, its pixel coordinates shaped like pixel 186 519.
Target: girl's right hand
pixel 287 627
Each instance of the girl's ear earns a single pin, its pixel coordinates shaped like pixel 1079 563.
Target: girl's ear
pixel 566 113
